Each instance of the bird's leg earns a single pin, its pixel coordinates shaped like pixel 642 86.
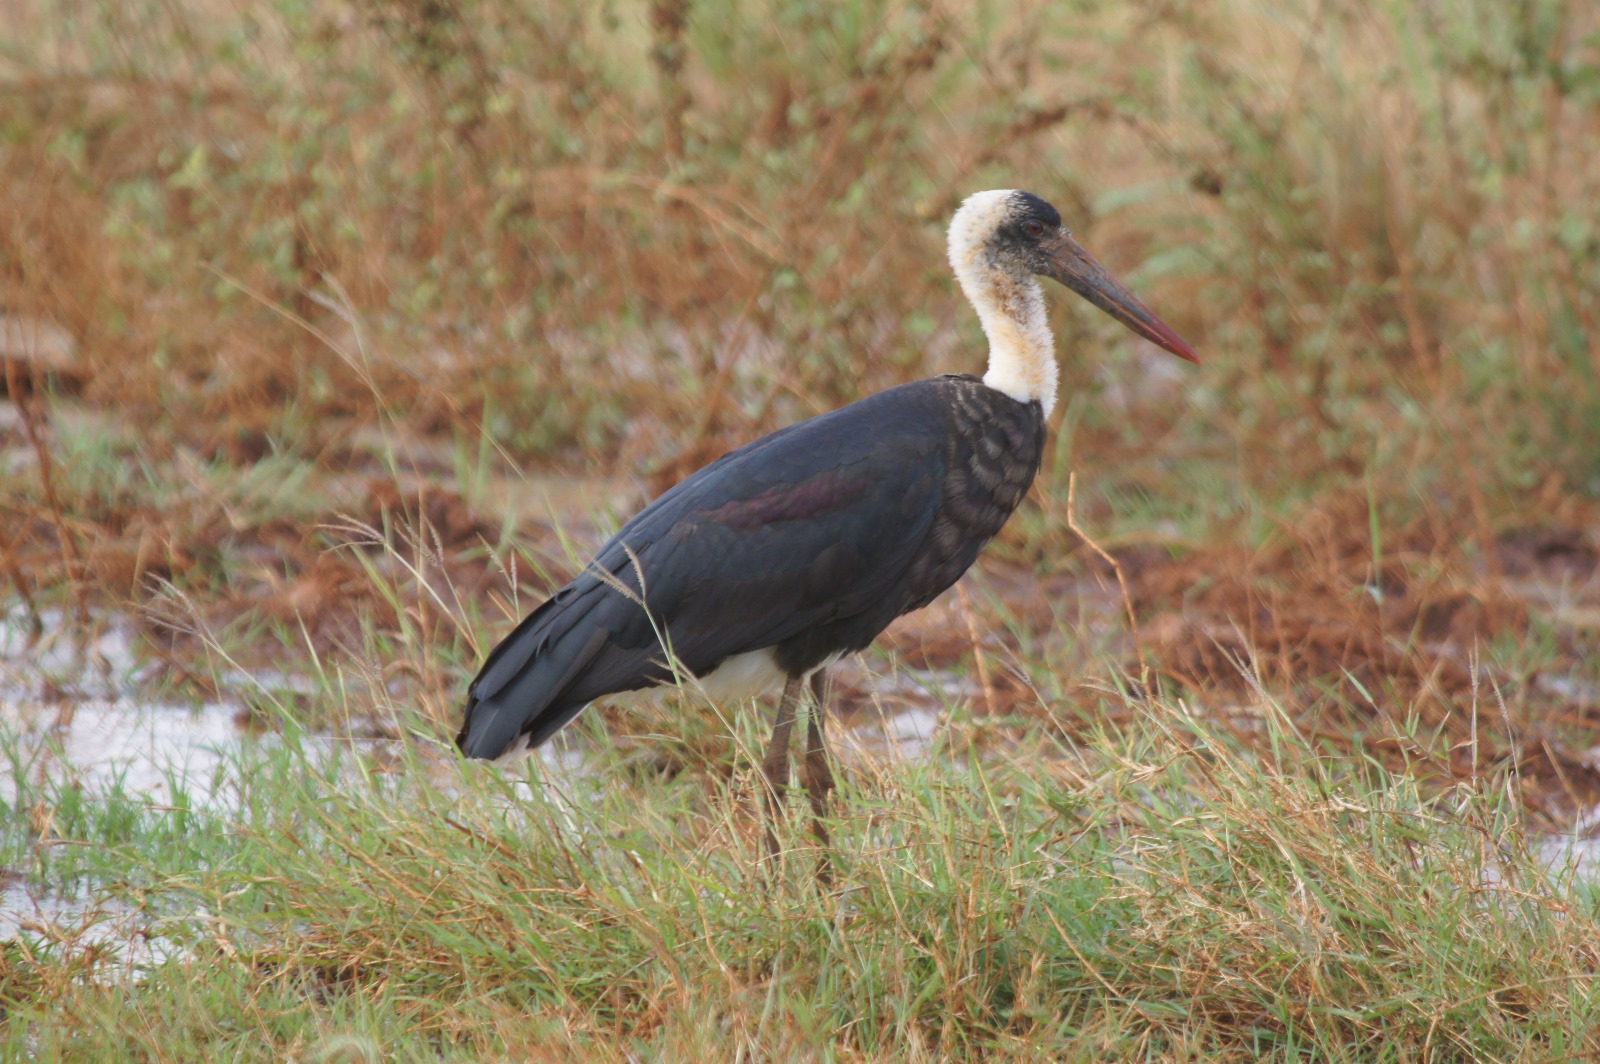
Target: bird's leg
pixel 818 776
pixel 775 765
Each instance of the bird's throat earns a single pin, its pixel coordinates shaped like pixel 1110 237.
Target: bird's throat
pixel 1022 358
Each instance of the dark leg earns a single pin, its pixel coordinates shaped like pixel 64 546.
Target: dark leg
pixel 818 776
pixel 775 765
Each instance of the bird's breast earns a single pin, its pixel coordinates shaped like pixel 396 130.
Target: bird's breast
pixel 995 448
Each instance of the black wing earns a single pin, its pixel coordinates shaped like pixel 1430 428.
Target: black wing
pixel 808 527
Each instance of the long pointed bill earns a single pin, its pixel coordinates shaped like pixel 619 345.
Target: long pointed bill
pixel 1077 269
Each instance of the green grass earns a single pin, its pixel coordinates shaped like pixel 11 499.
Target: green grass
pixel 1162 894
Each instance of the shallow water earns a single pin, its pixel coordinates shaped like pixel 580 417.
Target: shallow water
pixel 68 717
pixel 141 749
pixel 66 714
pixel 907 735
pixel 130 939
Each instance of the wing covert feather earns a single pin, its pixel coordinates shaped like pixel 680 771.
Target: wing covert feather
pixel 814 523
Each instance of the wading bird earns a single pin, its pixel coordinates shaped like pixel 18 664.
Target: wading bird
pixel 781 557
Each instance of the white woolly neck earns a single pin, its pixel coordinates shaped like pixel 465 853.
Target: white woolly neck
pixel 1022 360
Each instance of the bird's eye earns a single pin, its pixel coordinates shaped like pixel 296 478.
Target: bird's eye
pixel 1033 227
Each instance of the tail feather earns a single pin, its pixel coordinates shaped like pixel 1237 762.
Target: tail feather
pixel 521 686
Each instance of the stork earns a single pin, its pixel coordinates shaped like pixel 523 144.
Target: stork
pixel 781 557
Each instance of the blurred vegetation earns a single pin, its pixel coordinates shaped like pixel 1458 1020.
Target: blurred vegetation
pixel 1375 219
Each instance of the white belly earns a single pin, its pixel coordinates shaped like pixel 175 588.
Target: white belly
pixel 737 678
pixel 740 677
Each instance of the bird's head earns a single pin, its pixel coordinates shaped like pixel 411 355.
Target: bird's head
pixel 1010 235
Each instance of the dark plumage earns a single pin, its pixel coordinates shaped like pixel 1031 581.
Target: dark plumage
pixel 808 541
pixel 802 546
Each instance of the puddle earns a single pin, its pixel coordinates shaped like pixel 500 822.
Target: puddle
pixel 65 715
pixel 901 713
pixel 46 921
pixel 1582 855
pixel 1577 851
pixel 1582 693
pixel 66 718
pixel 69 716
pixel 908 735
pixel 102 744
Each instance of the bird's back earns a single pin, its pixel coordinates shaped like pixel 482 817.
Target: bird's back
pixel 808 541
